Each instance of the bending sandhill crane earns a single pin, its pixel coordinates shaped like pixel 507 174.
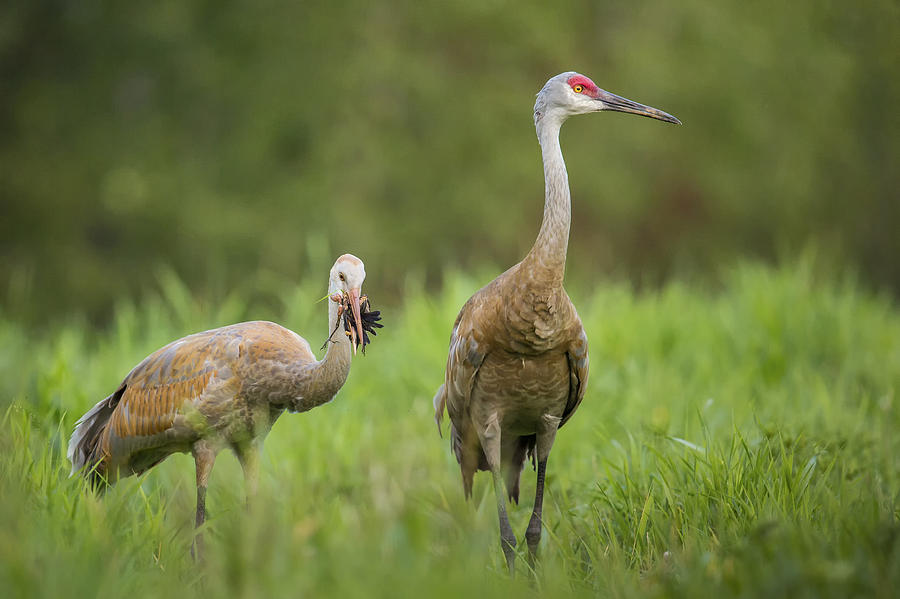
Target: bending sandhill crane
pixel 220 388
pixel 518 361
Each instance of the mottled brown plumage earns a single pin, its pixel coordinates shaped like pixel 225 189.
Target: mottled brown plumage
pixel 518 354
pixel 222 388
pixel 518 361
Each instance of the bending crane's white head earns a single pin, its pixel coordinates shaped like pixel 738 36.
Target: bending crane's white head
pixel 348 273
pixel 346 277
pixel 572 93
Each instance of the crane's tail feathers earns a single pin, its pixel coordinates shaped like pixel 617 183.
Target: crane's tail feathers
pixel 470 458
pixel 439 400
pixel 84 446
pixel 467 477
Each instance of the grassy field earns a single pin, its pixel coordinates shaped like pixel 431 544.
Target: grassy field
pixel 734 441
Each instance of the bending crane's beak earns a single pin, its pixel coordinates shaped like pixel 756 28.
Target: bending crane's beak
pixel 620 104
pixel 357 319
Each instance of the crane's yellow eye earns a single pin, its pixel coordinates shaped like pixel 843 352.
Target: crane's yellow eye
pixel 578 89
pixel 342 277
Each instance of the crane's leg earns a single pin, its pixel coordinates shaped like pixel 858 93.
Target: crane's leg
pixel 248 456
pixel 204 457
pixel 543 445
pixel 490 443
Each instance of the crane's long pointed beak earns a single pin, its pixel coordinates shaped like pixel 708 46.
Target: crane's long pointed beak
pixel 620 104
pixel 357 318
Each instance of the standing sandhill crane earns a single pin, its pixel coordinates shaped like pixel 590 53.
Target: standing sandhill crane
pixel 518 361
pixel 217 389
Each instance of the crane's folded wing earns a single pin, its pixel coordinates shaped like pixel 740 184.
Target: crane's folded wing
pixel 578 374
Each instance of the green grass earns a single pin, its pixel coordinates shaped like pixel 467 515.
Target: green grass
pixel 741 441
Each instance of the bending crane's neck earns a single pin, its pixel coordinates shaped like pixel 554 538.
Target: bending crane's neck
pixel 330 373
pixel 547 257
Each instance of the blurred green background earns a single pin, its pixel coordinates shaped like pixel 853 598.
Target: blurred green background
pixel 241 143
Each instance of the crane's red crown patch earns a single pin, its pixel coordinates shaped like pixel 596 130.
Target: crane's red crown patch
pixel 590 88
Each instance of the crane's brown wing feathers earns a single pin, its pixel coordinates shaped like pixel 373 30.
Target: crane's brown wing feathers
pixel 144 411
pixel 468 350
pixel 465 357
pixel 154 392
pixel 579 363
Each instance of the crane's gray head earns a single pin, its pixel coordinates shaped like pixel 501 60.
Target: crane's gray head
pixel 346 278
pixel 572 93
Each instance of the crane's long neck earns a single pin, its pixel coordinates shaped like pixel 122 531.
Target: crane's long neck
pixel 328 375
pixel 547 258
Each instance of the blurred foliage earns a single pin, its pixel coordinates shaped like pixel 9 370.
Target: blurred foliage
pixel 238 140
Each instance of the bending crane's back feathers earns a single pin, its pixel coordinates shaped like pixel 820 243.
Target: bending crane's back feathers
pixel 148 417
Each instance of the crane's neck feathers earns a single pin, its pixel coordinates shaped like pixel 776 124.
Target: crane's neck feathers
pixel 548 255
pixel 319 382
pixel 339 353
